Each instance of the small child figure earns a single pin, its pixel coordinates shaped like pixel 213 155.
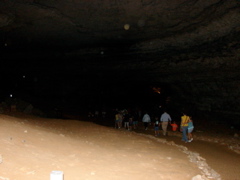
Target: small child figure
pixel 174 126
pixel 190 130
pixel 156 125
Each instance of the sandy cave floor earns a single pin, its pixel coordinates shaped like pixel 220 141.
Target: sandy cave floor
pixel 33 147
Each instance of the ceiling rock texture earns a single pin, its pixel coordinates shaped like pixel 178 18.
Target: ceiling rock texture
pixel 192 47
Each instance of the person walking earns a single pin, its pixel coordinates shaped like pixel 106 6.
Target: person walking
pixel 126 121
pixel 184 127
pixel 174 126
pixel 146 120
pixel 190 129
pixel 117 120
pixel 130 122
pixel 156 125
pixel 165 119
pixel 120 119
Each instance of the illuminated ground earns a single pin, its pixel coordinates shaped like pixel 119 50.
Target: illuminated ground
pixel 32 147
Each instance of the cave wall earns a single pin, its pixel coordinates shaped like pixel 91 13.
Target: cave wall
pixel 205 81
pixel 192 46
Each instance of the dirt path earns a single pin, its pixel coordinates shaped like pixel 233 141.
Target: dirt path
pixel 212 147
pixel 219 157
pixel 31 147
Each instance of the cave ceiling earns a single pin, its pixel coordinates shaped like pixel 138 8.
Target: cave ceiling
pixel 169 41
pixel 138 26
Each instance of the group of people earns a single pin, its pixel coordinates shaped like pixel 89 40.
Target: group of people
pixel 126 120
pixel 186 126
pixel 97 114
pixel 129 120
pixel 163 121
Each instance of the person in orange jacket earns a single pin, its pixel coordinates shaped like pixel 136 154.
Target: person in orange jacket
pixel 174 126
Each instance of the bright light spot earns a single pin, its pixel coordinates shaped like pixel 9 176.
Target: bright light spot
pixel 5 44
pixel 126 26
pixel 11 95
pixel 157 90
pixel 24 76
pixel 102 52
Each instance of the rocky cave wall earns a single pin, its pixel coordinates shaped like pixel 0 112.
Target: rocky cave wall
pixel 193 46
pixel 206 79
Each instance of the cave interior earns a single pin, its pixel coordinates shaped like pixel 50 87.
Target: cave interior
pixel 77 55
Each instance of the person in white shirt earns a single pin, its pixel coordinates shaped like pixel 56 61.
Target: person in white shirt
pixel 165 119
pixel 146 120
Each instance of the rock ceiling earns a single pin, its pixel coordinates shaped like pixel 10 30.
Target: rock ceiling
pixel 192 45
pixel 149 25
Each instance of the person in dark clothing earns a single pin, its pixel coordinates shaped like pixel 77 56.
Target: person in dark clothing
pixel 156 126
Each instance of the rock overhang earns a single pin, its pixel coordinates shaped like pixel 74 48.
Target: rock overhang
pixel 174 42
